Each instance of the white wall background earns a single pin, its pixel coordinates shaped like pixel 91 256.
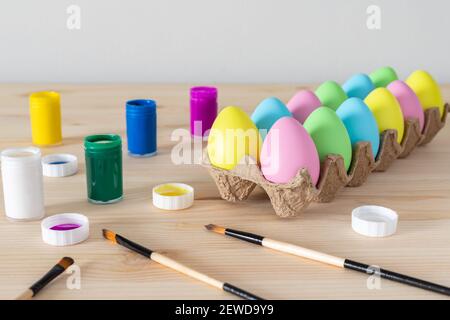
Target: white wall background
pixel 268 41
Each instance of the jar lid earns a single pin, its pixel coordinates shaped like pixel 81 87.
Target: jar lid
pixel 65 229
pixel 204 92
pixel 374 221
pixel 59 165
pixel 141 106
pixel 47 96
pixel 173 196
pixel 101 142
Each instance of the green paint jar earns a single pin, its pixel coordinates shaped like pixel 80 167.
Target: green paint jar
pixel 103 154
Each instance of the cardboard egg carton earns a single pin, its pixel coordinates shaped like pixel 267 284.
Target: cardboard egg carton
pixel 290 199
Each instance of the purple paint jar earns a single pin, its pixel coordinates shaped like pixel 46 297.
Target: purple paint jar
pixel 203 109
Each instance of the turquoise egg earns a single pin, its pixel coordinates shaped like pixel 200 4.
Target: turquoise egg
pixel 267 113
pixel 358 86
pixel 359 122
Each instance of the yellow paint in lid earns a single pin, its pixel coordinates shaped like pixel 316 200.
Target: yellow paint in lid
pixel 171 190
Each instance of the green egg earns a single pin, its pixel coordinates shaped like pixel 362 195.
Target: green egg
pixel 383 76
pixel 329 134
pixel 331 94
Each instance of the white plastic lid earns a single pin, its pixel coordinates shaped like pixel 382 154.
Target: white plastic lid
pixel 65 229
pixel 59 165
pixel 374 221
pixel 173 196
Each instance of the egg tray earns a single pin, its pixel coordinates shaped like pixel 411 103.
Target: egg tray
pixel 290 199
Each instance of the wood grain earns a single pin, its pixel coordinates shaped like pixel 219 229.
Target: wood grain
pixel 417 187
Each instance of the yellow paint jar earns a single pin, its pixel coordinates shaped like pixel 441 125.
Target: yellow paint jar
pixel 45 116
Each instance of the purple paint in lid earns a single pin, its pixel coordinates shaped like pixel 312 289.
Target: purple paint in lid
pixel 65 226
pixel 203 109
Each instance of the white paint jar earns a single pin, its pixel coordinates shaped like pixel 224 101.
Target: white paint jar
pixel 23 189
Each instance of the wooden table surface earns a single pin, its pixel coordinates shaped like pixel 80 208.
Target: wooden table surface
pixel 418 188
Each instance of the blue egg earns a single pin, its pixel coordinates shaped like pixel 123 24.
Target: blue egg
pixel 358 86
pixel 359 122
pixel 267 113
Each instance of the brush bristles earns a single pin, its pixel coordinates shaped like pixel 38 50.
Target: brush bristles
pixel 109 235
pixel 66 262
pixel 216 229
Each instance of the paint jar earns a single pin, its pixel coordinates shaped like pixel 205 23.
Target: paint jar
pixel 103 155
pixel 203 109
pixel 45 115
pixel 141 127
pixel 23 189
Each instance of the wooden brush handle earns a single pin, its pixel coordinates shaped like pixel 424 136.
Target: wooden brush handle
pixel 170 263
pixel 166 261
pixel 303 252
pixel 26 295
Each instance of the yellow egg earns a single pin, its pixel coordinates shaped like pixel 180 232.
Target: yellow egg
pixel 427 90
pixel 387 111
pixel 233 135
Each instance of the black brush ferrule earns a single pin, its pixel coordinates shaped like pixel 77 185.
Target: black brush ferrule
pixel 246 236
pixel 47 278
pixel 133 246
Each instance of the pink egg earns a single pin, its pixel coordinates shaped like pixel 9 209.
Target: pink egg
pixel 287 149
pixel 302 104
pixel 408 101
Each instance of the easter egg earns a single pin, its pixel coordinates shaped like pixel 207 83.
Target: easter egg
pixel 427 90
pixel 408 101
pixel 358 86
pixel 360 123
pixel 267 113
pixel 386 110
pixel 329 134
pixel 233 135
pixel 383 76
pixel 287 149
pixel 302 104
pixel 331 94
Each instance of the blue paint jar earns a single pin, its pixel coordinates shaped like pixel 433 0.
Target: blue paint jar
pixel 141 127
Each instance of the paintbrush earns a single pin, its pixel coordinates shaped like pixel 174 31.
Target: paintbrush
pixel 328 259
pixel 54 272
pixel 170 263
